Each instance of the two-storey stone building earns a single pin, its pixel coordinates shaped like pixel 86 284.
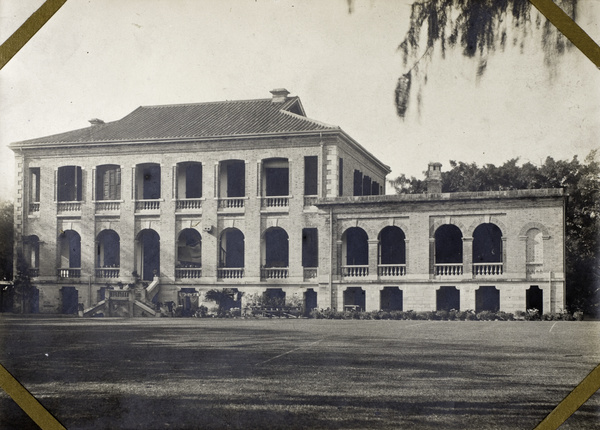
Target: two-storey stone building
pixel 255 196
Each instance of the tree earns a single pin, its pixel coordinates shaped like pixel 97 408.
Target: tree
pixel 225 298
pixel 478 28
pixel 582 183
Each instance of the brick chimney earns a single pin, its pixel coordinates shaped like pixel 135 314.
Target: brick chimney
pixel 279 95
pixel 96 121
pixel 434 178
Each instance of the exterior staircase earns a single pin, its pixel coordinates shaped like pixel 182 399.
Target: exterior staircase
pixel 128 302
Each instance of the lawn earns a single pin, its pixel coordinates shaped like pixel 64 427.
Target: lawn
pixel 286 373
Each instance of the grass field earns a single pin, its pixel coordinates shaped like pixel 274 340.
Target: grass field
pixel 320 374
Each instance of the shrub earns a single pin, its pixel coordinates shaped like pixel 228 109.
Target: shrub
pixel 486 316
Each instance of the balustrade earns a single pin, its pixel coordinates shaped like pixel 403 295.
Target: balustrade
pixel 231 202
pixel 108 205
pixel 69 273
pixel 230 272
pixel 68 207
pixel 147 205
pixel 452 269
pixel 355 271
pixel 188 273
pixel 187 204
pixel 276 202
pixel 274 272
pixel 391 270
pixel 107 272
pixel 487 269
pixel 34 207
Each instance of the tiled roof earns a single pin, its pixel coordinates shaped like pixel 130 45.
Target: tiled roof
pixel 199 120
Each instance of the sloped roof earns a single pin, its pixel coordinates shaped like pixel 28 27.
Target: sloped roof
pixel 198 120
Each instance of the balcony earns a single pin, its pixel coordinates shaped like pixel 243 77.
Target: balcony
pixel 234 204
pixel 107 272
pixel 69 273
pixel 108 206
pixel 230 272
pixel 34 207
pixel 68 208
pixel 276 203
pixel 188 273
pixel 147 206
pixel 355 271
pixel 274 273
pixel 451 269
pixel 310 273
pixel 391 270
pixel 188 205
pixel 488 269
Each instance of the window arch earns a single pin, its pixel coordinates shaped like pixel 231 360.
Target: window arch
pixel 189 248
pixel 448 245
pixel 392 246
pixel 276 248
pixel 356 247
pixel 231 248
pixel 487 244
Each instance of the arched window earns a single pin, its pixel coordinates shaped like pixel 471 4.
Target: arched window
pixel 231 249
pixel 147 181
pixel 70 254
pixel 487 244
pixel 356 247
pixel 108 252
pixel 535 247
pixel 189 249
pixel 276 248
pixel 148 254
pixel 448 250
pixel 392 247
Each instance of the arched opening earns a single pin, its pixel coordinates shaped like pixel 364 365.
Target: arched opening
pixel 189 180
pixel 355 252
pixel 535 299
pixel 189 249
pixel 354 299
pixel 447 298
pixel 487 250
pixel 534 255
pixel 448 250
pixel 69 184
pixel 231 254
pixel 276 252
pixel 108 254
pixel 148 247
pixel 147 181
pixel 487 299
pixel 108 182
pixel 390 299
pixel 310 301
pixel 392 252
pixel 70 254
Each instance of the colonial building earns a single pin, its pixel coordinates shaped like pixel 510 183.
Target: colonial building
pixel 172 201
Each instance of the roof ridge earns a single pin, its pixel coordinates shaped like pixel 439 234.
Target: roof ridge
pixel 202 103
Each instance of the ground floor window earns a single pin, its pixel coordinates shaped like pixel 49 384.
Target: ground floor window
pixel 354 299
pixel 447 298
pixel 310 301
pixel 391 299
pixel 535 299
pixel 487 299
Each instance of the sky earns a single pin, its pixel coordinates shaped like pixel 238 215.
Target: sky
pixel 104 58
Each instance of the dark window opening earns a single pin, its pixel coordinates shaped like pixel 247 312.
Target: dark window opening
pixel 311 174
pixel 366 191
pixel 232 249
pixel 276 248
pixel 148 181
pixel 357 247
pixel 487 299
pixel 535 299
pixel 341 177
pixel 34 186
pixel 487 244
pixel 391 299
pixel 392 246
pixel 448 245
pixel 189 180
pixel 274 298
pixel 310 301
pixel 149 247
pixel 358 183
pixel 447 298
pixel 108 252
pixel 70 300
pixel 236 178
pixel 354 299
pixel 70 249
pixel 31 251
pixel 70 184
pixel 189 249
pixel 108 182
pixel 374 188
pixel 278 181
pixel 310 247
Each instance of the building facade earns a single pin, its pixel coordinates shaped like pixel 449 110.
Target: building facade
pixel 253 196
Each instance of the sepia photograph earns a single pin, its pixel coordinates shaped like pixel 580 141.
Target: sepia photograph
pixel 279 214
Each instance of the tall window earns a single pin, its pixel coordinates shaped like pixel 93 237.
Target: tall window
pixel 147 181
pixel 358 183
pixel 341 177
pixel 311 173
pixel 366 191
pixel 189 180
pixel 535 249
pixel 34 185
pixel 108 182
pixel 69 184
pixel 310 247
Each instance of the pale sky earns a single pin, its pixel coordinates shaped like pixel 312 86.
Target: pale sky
pixel 104 58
